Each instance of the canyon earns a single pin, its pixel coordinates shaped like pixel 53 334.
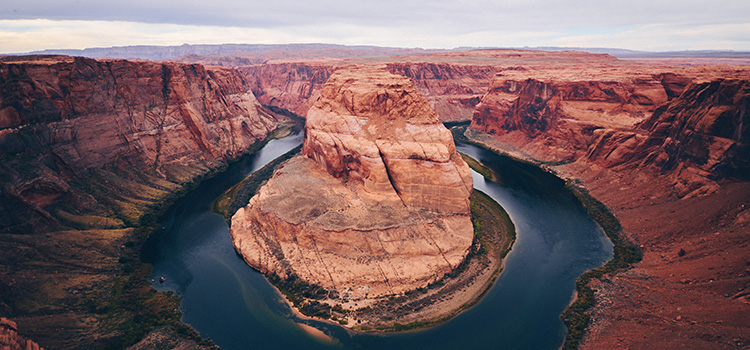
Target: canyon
pixel 662 143
pixel 91 150
pixel 376 205
pixel 667 153
pixel 91 147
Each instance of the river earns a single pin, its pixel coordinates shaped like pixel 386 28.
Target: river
pixel 227 301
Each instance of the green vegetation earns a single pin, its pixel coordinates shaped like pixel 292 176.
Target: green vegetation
pixel 625 254
pixel 237 197
pixel 134 308
pixel 481 168
pixel 303 295
pixel 83 222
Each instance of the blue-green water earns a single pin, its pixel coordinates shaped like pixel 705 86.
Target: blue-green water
pixel 227 301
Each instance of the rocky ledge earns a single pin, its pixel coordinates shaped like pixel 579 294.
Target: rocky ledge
pixel 377 204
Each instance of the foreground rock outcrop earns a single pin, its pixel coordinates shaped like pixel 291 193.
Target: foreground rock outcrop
pixel 10 340
pixel 89 149
pixel 378 203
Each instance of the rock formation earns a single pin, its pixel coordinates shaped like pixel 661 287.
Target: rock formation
pixel 294 86
pixel 377 204
pixel 665 149
pixel 62 116
pixel 10 340
pixel 553 118
pixel 698 138
pixel 451 89
pixel 88 149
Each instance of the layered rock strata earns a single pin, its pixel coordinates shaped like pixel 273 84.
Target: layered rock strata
pixel 453 90
pixel 61 117
pixel 10 340
pixel 88 149
pixel 553 118
pixel 377 204
pixel 699 138
pixel 676 178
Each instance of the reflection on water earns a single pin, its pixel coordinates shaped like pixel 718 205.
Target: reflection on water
pixel 237 308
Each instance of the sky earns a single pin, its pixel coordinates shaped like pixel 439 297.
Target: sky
pixel 650 25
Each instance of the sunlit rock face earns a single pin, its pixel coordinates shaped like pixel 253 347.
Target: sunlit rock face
pixel 378 203
pixel 375 129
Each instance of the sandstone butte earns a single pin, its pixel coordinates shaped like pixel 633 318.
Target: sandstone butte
pixel 377 203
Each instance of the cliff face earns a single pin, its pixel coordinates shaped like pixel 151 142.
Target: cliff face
pixel 553 119
pixel 453 90
pixel 667 154
pixel 88 147
pixel 61 117
pixel 699 138
pixel 294 86
pixel 377 204
pixel 375 129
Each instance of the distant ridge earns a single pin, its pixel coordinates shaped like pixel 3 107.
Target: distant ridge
pixel 625 53
pixel 152 52
pixel 149 52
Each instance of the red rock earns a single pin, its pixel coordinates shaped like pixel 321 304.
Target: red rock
pixel 379 202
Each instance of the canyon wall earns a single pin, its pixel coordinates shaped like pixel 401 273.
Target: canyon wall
pixel 377 204
pixel 89 149
pixel 694 132
pixel 699 138
pixel 62 117
pixel 553 118
pixel 451 89
pixel 668 154
pixel 293 86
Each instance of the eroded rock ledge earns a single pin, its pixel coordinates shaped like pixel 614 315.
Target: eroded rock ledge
pixel 377 204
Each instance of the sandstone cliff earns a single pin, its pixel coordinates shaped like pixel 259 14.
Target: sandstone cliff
pixel 293 86
pixel 699 138
pixel 88 148
pixel 451 89
pixel 10 340
pixel 61 117
pixel 379 202
pixel 553 118
pixel 665 149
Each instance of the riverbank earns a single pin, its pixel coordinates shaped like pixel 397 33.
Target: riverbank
pixel 576 316
pixel 677 293
pixel 423 307
pixel 89 280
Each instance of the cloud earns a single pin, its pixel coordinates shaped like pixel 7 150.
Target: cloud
pixel 635 24
pixel 662 37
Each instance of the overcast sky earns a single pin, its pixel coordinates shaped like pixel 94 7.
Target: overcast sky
pixel 654 25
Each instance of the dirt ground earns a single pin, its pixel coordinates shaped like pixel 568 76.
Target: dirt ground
pixel 692 289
